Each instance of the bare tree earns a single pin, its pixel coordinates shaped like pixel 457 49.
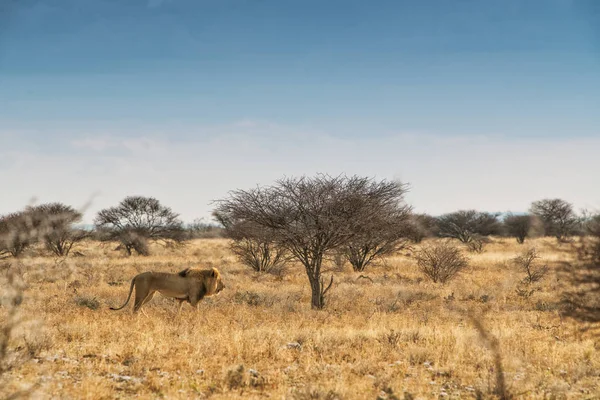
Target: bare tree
pixel 17 233
pixel 310 217
pixel 557 215
pixel 200 229
pixel 254 245
pixel 423 226
pixel 385 230
pixel 477 243
pixel 54 222
pixel 528 263
pixel 136 220
pixel 591 225
pixel 441 261
pixel 518 226
pixel 467 225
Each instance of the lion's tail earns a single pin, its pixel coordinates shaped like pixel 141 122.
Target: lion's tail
pixel 128 297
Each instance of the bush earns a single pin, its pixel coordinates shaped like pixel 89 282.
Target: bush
pixel 199 229
pixel 528 263
pixel 261 256
pixel 384 229
pixel 466 225
pixel 518 226
pixel 254 246
pixel 477 244
pixel 423 226
pixel 253 299
pixel 138 220
pixel 17 233
pixel 85 301
pixel 558 217
pixel 441 262
pixel 54 222
pixel 50 223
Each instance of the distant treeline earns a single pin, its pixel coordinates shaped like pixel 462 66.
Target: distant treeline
pixel 307 221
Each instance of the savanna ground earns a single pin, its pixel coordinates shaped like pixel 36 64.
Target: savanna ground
pixel 391 335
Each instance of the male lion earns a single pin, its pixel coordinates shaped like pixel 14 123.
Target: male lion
pixel 189 285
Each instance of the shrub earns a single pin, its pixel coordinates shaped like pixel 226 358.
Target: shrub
pixel 528 263
pixel 254 245
pixel 253 299
pixel 90 302
pixel 50 223
pixel 137 220
pixel 54 222
pixel 557 215
pixel 423 226
pixel 477 244
pixel 384 229
pixel 17 233
pixel 518 226
pixel 465 225
pixel 441 262
pixel 199 229
pixel 260 256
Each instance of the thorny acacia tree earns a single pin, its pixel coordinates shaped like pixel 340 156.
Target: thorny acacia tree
pixel 309 217
pixel 423 225
pixel 528 263
pixel 54 222
pixel 518 226
pixel 17 233
pixel 557 215
pixel 384 226
pixel 50 223
pixel 468 225
pixel 200 229
pixel 136 220
pixel 254 245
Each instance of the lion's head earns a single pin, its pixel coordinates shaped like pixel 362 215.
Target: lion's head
pixel 215 283
pixel 211 277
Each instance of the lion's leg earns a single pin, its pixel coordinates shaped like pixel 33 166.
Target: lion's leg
pixel 142 299
pixel 140 294
pixel 149 297
pixel 195 302
pixel 180 305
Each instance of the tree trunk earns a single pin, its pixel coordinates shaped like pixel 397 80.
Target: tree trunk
pixel 318 288
pixel 317 300
pixel 313 270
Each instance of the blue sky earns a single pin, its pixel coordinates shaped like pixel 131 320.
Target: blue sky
pixel 104 92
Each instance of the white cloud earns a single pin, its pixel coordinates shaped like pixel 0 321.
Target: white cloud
pixel 446 173
pixel 94 143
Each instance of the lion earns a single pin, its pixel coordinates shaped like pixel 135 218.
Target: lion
pixel 190 285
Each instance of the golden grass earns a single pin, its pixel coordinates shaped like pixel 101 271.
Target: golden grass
pixel 393 335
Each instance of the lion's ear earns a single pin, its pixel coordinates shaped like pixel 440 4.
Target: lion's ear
pixel 184 272
pixel 214 272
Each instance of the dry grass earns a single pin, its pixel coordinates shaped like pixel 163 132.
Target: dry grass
pixel 392 336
